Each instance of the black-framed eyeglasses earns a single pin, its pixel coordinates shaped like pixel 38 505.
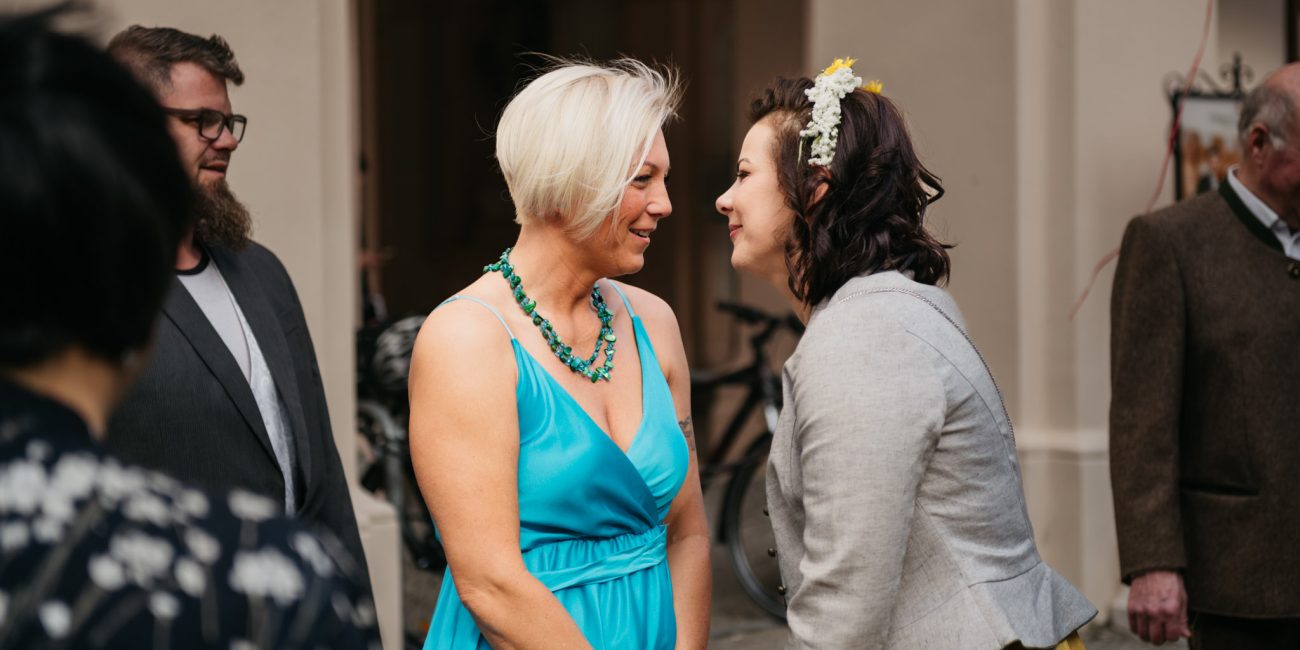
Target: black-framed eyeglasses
pixel 210 122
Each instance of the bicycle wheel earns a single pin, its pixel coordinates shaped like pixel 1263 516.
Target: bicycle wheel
pixel 387 472
pixel 417 527
pixel 747 531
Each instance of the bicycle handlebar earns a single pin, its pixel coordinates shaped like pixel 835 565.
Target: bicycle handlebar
pixel 754 316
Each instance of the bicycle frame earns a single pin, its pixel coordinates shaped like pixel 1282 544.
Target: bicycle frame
pixel 761 382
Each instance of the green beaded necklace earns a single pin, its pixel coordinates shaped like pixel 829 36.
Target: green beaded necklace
pixel 585 367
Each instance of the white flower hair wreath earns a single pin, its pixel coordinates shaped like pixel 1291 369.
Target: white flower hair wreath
pixel 828 90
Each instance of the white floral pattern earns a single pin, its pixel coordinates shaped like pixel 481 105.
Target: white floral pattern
pixel 47 530
pixel 21 485
pixel 39 450
pixel 164 605
pixel 144 558
pixel 107 573
pixel 193 503
pixel 14 535
pixel 191 577
pixel 148 507
pixel 252 507
pixel 311 550
pixel 266 573
pixel 74 475
pixel 202 545
pixel 56 617
pixel 116 531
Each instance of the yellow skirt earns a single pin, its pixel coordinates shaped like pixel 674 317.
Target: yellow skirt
pixel 1072 642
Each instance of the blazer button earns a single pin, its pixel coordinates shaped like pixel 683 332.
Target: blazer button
pixel 780 589
pixel 765 514
pixel 771 552
pixel 1293 271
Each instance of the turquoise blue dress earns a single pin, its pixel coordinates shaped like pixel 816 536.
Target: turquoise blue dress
pixel 590 516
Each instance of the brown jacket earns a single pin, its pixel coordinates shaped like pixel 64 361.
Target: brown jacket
pixel 1205 406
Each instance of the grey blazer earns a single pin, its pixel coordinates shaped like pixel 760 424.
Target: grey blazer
pixel 894 488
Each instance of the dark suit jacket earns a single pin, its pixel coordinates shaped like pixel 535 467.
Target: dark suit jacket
pixel 1205 406
pixel 193 415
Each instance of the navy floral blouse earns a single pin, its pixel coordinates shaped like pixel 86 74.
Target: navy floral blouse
pixel 98 554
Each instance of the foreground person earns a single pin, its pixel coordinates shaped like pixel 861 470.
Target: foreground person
pixel 95 553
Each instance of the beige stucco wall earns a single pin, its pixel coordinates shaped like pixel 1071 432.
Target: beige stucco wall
pixel 295 171
pixel 1256 29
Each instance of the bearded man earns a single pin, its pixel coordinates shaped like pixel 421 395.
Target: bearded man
pixel 232 396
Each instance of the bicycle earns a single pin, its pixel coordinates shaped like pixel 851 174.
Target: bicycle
pixel 383 414
pixel 747 535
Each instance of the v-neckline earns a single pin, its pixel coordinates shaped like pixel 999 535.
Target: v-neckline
pixel 641 425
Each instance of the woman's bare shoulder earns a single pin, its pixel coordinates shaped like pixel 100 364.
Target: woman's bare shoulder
pixel 655 312
pixel 464 331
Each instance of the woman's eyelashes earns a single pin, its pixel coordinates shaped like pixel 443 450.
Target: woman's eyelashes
pixel 644 179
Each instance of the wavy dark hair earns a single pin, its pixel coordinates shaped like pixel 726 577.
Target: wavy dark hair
pixel 871 217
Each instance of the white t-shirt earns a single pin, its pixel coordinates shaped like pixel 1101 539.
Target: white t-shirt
pixel 209 289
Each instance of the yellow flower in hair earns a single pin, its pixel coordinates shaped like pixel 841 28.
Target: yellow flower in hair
pixel 874 86
pixel 839 63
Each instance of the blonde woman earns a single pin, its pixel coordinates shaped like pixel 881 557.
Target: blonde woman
pixel 562 478
pixel 893 484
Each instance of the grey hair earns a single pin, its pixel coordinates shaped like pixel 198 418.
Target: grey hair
pixel 1271 106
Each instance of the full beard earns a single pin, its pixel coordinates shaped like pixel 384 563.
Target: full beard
pixel 220 219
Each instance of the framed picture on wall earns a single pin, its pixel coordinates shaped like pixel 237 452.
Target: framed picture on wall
pixel 1206 144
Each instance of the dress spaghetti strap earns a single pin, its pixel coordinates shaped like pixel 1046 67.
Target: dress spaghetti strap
pixel 630 312
pixel 486 306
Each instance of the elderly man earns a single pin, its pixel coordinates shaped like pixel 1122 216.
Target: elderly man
pixel 233 395
pixel 1204 422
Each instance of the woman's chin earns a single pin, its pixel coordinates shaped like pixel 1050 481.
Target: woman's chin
pixel 628 265
pixel 740 262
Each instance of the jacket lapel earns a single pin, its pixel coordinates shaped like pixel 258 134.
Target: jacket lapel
pixel 181 309
pixel 261 316
pixel 1248 218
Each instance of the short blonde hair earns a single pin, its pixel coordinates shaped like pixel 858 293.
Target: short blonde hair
pixel 565 141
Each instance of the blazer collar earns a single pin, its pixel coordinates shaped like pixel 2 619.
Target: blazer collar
pixel 1247 218
pixel 181 309
pixel 186 315
pixel 862 284
pixel 261 316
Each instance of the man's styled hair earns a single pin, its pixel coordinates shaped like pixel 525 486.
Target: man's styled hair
pixel 570 142
pixel 150 53
pixel 872 216
pixel 93 199
pixel 1270 105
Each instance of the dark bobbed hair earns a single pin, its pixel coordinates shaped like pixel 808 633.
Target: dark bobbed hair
pixel 871 217
pixel 93 199
pixel 150 53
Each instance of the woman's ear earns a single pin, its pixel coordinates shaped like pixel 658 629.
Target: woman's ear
pixel 823 180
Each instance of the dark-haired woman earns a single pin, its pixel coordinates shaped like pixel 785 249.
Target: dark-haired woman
pixel 893 484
